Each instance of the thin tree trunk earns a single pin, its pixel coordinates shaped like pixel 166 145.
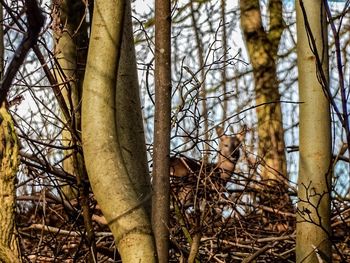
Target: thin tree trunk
pixel 203 88
pixel 313 218
pixel 225 50
pixel 161 150
pixel 109 178
pixel 262 49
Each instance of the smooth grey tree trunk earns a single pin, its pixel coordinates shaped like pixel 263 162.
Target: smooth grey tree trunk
pixel 313 217
pixel 109 177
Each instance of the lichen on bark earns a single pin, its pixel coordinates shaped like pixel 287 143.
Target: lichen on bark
pixel 8 170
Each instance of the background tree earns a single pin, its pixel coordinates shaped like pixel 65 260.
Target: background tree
pixel 71 43
pixel 262 46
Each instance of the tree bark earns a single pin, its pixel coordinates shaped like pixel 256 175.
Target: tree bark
pixel 161 149
pixel 71 51
pixel 262 48
pixel 8 172
pixel 129 116
pixel 313 218
pixel 109 178
pixel 71 45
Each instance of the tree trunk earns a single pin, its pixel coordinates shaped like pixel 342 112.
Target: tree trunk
pixel 71 43
pixel 225 50
pixel 203 88
pixel 313 218
pixel 161 149
pixel 8 172
pixel 262 48
pixel 129 116
pixel 109 177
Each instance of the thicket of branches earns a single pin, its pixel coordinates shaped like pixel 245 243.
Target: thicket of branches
pixel 241 219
